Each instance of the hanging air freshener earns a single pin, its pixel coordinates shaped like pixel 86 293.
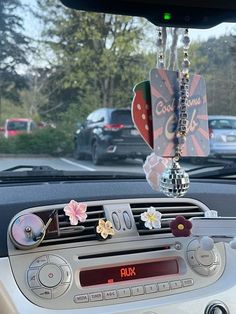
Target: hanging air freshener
pixel 177 125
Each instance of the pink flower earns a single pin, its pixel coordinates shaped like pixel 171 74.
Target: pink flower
pixel 153 169
pixel 76 212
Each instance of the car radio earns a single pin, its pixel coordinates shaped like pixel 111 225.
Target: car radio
pixel 77 274
pixel 62 279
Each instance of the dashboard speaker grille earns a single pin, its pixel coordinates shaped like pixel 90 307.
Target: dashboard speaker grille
pixel 169 212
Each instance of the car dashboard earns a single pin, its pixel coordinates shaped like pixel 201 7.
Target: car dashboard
pixel 136 271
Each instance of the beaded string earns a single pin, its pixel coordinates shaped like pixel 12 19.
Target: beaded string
pixel 160 56
pixel 181 131
pixel 183 98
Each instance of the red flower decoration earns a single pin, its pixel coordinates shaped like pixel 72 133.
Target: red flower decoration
pixel 181 227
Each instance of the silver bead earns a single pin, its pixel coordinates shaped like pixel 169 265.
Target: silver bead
pixel 185 70
pixel 186 64
pixel 159 42
pixel 174 181
pixel 182 140
pixel 186 40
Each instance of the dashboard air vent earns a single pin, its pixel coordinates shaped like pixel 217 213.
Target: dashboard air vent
pixel 61 231
pixel 169 212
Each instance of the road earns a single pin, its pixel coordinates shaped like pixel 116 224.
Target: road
pixel 72 164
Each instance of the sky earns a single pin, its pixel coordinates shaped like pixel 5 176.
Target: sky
pixel 217 31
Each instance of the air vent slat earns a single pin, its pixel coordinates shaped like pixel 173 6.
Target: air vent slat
pixel 65 232
pixel 169 212
pixel 186 215
pixel 166 209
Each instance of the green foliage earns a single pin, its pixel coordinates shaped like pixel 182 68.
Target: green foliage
pixel 95 54
pixel 13 47
pixel 87 61
pixel 214 60
pixel 46 141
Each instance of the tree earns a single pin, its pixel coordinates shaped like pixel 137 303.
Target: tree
pixel 14 45
pixel 96 57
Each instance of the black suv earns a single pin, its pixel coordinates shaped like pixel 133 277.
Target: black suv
pixel 109 133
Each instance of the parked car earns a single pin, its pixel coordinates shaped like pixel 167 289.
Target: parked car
pixel 222 130
pixel 222 136
pixel 109 133
pixel 16 126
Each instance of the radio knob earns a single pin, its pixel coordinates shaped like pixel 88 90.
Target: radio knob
pixel 50 275
pixel 203 262
pixel 216 307
pixel 205 258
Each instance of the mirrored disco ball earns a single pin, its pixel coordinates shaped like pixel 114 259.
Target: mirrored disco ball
pixel 174 181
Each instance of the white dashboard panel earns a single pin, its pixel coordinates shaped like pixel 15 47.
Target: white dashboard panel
pixel 224 290
pixel 47 279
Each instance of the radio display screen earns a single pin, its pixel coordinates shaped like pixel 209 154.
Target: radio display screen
pixel 115 274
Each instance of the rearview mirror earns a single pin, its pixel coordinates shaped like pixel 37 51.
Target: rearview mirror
pixel 181 13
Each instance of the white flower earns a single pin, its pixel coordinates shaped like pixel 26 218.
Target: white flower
pixel 152 218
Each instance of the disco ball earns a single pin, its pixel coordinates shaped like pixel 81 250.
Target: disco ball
pixel 174 181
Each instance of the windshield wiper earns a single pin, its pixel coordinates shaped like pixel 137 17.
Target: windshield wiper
pixel 46 173
pixel 32 168
pixel 228 169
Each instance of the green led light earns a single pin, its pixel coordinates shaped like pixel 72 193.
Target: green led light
pixel 167 16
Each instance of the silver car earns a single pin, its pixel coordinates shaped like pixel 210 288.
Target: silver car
pixel 222 131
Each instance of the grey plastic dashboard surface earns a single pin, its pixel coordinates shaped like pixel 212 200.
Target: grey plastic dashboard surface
pixel 217 195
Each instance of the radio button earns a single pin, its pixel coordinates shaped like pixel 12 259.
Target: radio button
pixel 127 220
pixel 187 282
pixel 32 277
pixel 150 288
pixel 56 260
pixel 205 258
pixel 176 284
pixel 193 245
pixel 116 221
pixel 43 293
pixel 123 293
pixel 212 269
pixel 204 271
pixel 40 261
pixel 66 274
pixel 50 275
pixel 112 294
pixel 137 290
pixel 192 259
pixel 96 296
pixel 81 298
pixel 59 290
pixel 163 286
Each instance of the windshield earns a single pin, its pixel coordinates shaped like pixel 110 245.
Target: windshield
pixel 73 74
pixel 16 126
pixel 122 116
